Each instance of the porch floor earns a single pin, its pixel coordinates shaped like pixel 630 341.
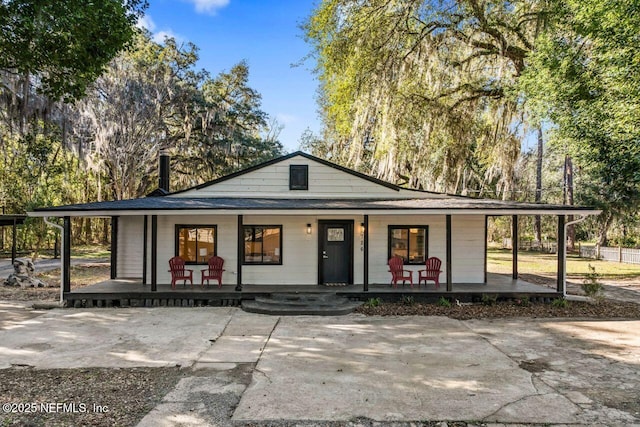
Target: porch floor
pixel 133 288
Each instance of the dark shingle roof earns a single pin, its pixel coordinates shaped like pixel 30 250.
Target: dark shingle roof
pixel 230 203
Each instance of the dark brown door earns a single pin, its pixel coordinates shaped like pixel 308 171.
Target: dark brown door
pixel 335 254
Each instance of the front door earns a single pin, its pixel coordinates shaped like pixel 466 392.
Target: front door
pixel 335 254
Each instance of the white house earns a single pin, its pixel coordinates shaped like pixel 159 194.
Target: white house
pixel 301 220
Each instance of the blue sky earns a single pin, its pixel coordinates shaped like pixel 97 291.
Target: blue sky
pixel 266 34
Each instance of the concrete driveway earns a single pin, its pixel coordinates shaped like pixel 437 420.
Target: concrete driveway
pixel 389 369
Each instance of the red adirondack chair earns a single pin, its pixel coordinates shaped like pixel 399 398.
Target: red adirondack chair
pixel 432 271
pixel 396 268
pixel 214 271
pixel 178 272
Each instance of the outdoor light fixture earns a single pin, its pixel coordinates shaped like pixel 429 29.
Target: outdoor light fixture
pixel 308 228
pixel 362 227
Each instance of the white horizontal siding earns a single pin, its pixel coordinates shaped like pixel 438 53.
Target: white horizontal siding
pixel 129 248
pixel 273 180
pixel 227 237
pixel 299 253
pixel 300 250
pixel 379 243
pixel 467 248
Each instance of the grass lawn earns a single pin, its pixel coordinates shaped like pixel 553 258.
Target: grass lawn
pixel 91 251
pixel 499 261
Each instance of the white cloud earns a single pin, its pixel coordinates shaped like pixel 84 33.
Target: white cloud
pixel 286 119
pixel 157 36
pixel 161 35
pixel 209 6
pixel 146 22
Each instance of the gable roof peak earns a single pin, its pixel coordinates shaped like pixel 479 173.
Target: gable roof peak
pixel 287 157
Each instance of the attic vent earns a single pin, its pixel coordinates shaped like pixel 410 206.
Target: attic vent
pixel 298 177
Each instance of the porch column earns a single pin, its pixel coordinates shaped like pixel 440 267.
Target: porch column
pixel 366 254
pixel 561 254
pixel 514 246
pixel 145 232
pixel 154 253
pixel 448 262
pixel 66 256
pixel 486 245
pixel 114 247
pixel 13 241
pixel 240 251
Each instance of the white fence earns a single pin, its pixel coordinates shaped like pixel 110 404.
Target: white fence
pixel 530 245
pixel 626 255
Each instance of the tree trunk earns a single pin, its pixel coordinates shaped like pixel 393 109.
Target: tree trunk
pixel 537 221
pixel 106 231
pixel 603 229
pixel 88 238
pixel 568 173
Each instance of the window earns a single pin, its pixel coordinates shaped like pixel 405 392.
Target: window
pixel 196 243
pixel 262 244
pixel 298 177
pixel 411 242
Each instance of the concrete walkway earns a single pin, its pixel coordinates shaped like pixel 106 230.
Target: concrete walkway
pixel 252 369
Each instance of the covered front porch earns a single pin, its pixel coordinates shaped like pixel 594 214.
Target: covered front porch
pixel 131 292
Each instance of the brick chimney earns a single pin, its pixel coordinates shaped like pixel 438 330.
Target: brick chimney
pixel 163 170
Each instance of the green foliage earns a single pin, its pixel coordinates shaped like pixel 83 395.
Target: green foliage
pixel 488 299
pixel 408 300
pixel 372 302
pixel 65 43
pixel 560 303
pixel 444 302
pixel 105 145
pixel 211 126
pixel 523 302
pixel 415 92
pixel 583 77
pixel 591 284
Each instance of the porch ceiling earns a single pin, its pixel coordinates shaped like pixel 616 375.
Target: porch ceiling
pixel 269 206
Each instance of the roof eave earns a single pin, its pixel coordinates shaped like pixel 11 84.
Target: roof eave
pixel 317 211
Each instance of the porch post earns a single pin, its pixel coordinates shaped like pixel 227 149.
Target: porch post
pixel 561 254
pixel 239 264
pixel 514 246
pixel 154 253
pixel 66 256
pixel 114 247
pixel 13 241
pixel 486 245
pixel 448 265
pixel 366 254
pixel 145 232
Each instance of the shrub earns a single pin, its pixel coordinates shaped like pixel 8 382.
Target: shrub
pixel 560 303
pixel 591 285
pixel 372 302
pixel 523 302
pixel 443 302
pixel 408 300
pixel 489 299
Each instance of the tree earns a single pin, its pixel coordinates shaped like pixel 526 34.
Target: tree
pixel 142 104
pixel 416 91
pixel 231 130
pixel 65 44
pixel 152 98
pixel 583 76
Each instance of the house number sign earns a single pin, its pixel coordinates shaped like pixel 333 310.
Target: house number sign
pixel 335 234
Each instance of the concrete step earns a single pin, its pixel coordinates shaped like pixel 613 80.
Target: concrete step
pixel 288 304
